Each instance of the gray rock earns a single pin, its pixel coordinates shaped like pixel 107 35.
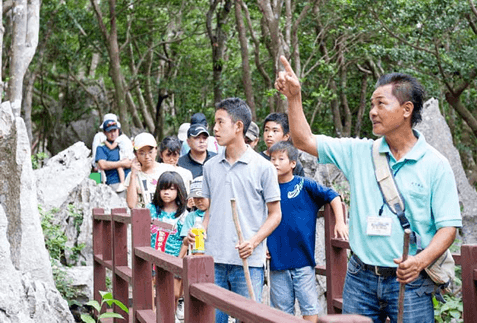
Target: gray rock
pixel 28 293
pixel 76 199
pixel 81 280
pixel 437 134
pixel 62 174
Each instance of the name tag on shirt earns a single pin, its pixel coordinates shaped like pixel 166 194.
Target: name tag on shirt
pixel 378 226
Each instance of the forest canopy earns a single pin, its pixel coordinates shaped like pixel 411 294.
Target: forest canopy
pixel 155 62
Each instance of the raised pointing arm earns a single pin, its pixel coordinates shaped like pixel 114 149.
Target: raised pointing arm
pixel 288 84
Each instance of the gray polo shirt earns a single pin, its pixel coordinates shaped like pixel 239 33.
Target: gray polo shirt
pixel 253 182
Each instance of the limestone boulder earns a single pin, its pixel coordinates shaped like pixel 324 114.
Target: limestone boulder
pixel 62 174
pixel 28 293
pixel 81 280
pixel 80 202
pixel 66 190
pixel 437 134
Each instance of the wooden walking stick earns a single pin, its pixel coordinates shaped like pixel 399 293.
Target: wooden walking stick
pixel 240 236
pixel 402 287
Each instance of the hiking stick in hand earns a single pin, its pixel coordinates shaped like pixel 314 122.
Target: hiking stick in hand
pixel 240 236
pixel 402 287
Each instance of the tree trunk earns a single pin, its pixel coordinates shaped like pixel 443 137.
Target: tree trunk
pixel 137 89
pixel 345 111
pixel 465 114
pixel 276 46
pixel 26 24
pixel 115 66
pixel 256 48
pixel 217 40
pixel 362 105
pixel 246 74
pixel 30 78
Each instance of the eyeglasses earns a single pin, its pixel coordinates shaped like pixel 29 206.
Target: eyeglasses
pixel 150 153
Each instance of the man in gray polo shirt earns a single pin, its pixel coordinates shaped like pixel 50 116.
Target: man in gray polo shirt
pixel 241 173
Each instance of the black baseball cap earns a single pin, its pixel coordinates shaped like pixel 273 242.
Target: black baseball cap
pixel 196 129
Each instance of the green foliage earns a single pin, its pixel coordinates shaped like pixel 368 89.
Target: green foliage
pixel 450 310
pixel 453 307
pixel 63 283
pixel 341 44
pixel 55 243
pixel 106 297
pixel 38 159
pixel 55 238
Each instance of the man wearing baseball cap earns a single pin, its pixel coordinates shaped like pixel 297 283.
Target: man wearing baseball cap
pixel 253 135
pixel 109 159
pixel 198 155
pixel 145 171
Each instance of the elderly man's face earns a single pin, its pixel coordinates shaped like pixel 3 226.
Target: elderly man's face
pixel 112 134
pixel 198 144
pixel 387 114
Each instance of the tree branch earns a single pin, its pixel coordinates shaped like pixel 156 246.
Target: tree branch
pixel 99 16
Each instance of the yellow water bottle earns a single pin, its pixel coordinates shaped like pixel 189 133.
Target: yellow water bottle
pixel 198 230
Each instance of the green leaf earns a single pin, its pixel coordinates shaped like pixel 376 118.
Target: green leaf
pixel 87 318
pixel 106 295
pixel 120 304
pixel 110 315
pixel 94 304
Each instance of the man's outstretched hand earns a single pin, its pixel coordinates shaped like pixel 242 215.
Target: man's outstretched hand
pixel 287 82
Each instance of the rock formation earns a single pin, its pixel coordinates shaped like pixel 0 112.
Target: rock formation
pixel 72 206
pixel 437 133
pixel 28 293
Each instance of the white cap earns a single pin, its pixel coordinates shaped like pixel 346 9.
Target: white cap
pixel 182 135
pixel 110 116
pixel 144 139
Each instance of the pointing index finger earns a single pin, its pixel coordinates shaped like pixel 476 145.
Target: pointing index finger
pixel 286 65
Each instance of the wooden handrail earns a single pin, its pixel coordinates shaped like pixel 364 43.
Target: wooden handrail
pixel 336 259
pixel 201 295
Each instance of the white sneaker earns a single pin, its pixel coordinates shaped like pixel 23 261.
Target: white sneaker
pixel 180 309
pixel 177 320
pixel 121 188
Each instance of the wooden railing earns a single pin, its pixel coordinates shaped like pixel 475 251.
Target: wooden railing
pixel 336 266
pixel 201 295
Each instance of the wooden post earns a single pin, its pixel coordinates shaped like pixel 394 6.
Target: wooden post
pixel 165 300
pixel 142 270
pixel 336 263
pixel 469 281
pixel 197 269
pixel 99 271
pixel 120 258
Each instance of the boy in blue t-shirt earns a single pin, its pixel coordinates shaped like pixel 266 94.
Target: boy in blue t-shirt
pixel 201 203
pixel 292 244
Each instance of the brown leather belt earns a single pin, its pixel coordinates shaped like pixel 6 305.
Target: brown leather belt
pixel 378 270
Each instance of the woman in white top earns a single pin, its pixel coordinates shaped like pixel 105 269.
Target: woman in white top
pixel 141 182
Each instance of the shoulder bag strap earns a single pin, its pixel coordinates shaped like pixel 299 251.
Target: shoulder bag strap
pixel 387 184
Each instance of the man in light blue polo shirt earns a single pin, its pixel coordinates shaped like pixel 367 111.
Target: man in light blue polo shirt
pixel 241 173
pixel 425 180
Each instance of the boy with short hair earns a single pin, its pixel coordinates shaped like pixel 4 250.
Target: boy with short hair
pixel 201 203
pixel 292 244
pixel 276 129
pixel 238 172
